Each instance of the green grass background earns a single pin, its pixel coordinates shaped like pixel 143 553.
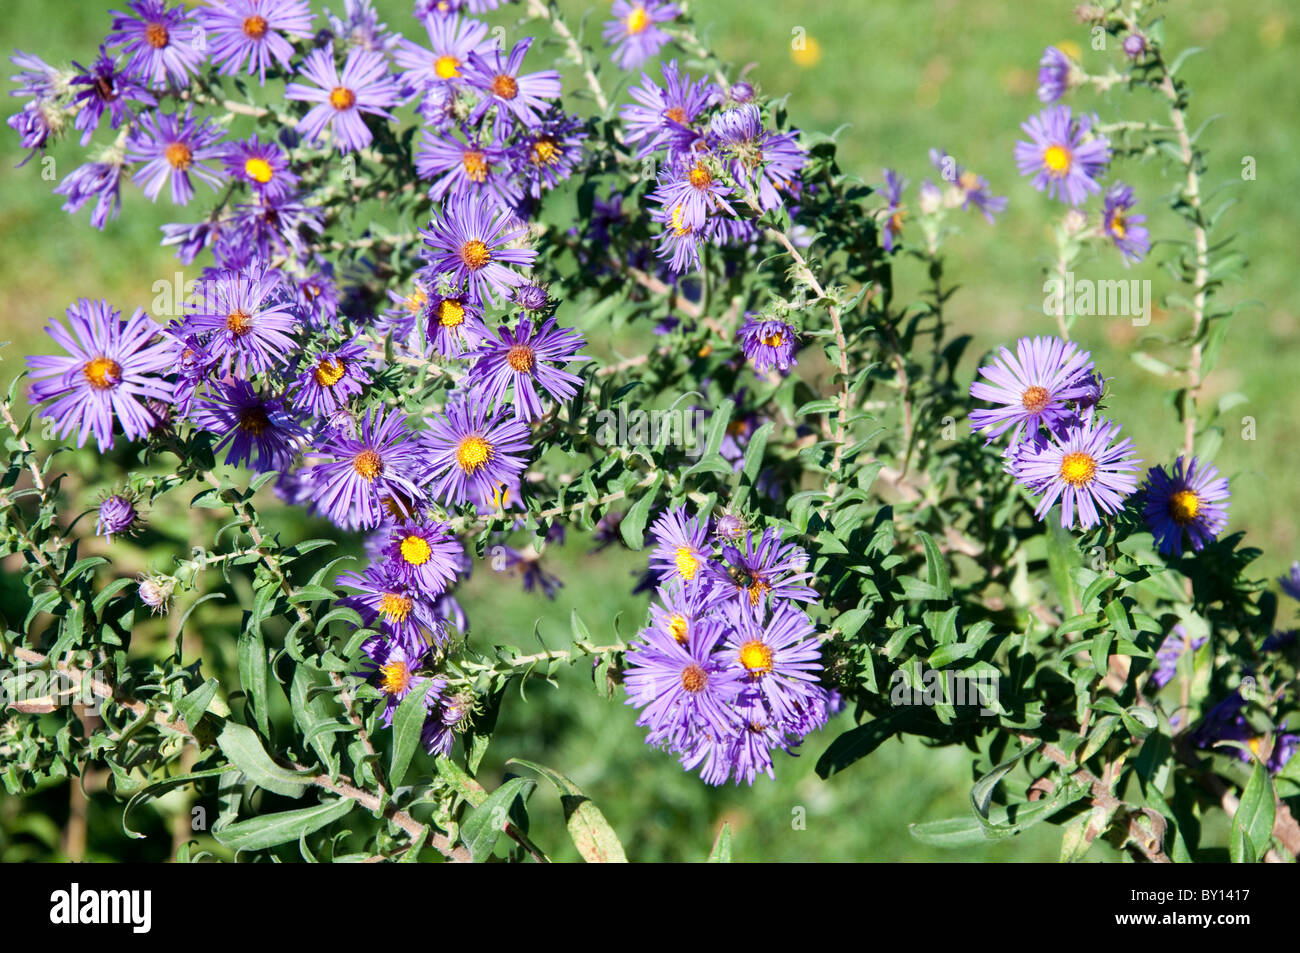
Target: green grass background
pixel 900 77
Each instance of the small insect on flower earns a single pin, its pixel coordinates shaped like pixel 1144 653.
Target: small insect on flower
pixel 1190 499
pixel 1083 467
pixel 765 572
pixel 1063 155
pixel 364 86
pixel 105 88
pixel 111 368
pixel 1035 386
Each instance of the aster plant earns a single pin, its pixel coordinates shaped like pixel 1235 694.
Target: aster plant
pixel 427 275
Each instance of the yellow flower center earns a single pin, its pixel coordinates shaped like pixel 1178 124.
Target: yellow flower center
pixel 155 34
pixel 679 628
pixel 259 170
pixel 756 590
pixel 1057 159
pixel 1077 468
pixel 328 372
pixel 520 357
pixel 1183 506
pixel 687 564
pixel 775 339
pixel 637 21
pixel 178 155
pixel 969 181
pixel 102 372
pixel 1035 399
pixel 505 86
pixel 416 550
pixel 694 679
pixel 368 464
pixel 394 678
pixel 475 254
pixel 545 151
pixel 447 67
pixel 451 313
pixel 394 606
pixel 676 114
pixel 239 322
pixel 679 227
pixel 255 27
pixel 473 453
pixel 699 176
pixel 342 98
pixel 476 167
pixel 1117 227
pixel 416 301
pixel 756 656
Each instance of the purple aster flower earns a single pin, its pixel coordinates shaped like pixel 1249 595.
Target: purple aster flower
pixel 358 478
pixel 172 147
pixel 394 665
pixel 521 97
pixel 1290 583
pixel 548 155
pixel 473 452
pixel 682 607
pixel 333 377
pixel 769 570
pixel 741 92
pixel 105 87
pixel 679 243
pixel 117 515
pixel 895 213
pixel 1062 155
pixel 1054 71
pixel 1175 645
pixel 270 226
pixel 423 555
pixel 1191 499
pixel 665 116
pixel 730 526
pixel 684 691
pixel 111 367
pixel 469 242
pixel 465 169
pixel 33 125
pixel 101 181
pixel 682 547
pixel 424 9
pixel 634 30
pixel 453 324
pixel 163 44
pixel 1227 721
pixel 1034 386
pixel 768 343
pixel 966 188
pixel 524 360
pixel 451 41
pixel 253 32
pixel 527 564
pixel 405 615
pixel 360 27
pixel 262 166
pixel 767 162
pixel 1083 467
pixel 363 87
pixel 259 430
pixel 1128 233
pixel 779 658
pixel 38 79
pixel 532 297
pixel 690 189
pixel 247 319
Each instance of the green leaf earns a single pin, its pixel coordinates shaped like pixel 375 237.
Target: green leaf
pixel 633 525
pixel 193 705
pixel 1252 825
pixel 951 832
pixel 252 675
pixel 150 791
pixel 982 791
pixel 258 833
pixel 244 748
pixel 591 833
pixel 1062 556
pixel 485 823
pixel 936 570
pixel 857 743
pixel 721 852
pixel 408 722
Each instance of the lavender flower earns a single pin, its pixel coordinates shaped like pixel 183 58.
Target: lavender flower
pixel 262 166
pixel 634 31
pixel 117 515
pixel 364 86
pixel 172 147
pixel 768 343
pixel 246 318
pixel 163 45
pixel 1190 499
pixel 522 360
pixel 682 548
pixel 522 97
pixel 468 242
pixel 665 116
pixel 1034 387
pixel 425 556
pixel 471 452
pixel 101 181
pixel 332 378
pixel 1175 645
pixel 1062 155
pixel 1083 467
pixel 253 32
pixel 105 88
pixel 1054 74
pixel 1128 233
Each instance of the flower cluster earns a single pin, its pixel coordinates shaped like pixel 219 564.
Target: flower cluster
pixel 727 670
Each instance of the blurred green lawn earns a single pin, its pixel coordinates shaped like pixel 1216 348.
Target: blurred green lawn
pixel 901 76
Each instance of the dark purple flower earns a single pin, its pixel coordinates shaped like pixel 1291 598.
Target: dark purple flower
pixel 522 360
pixel 173 147
pixel 258 429
pixel 117 515
pixel 333 377
pixel 1191 499
pixel 105 87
